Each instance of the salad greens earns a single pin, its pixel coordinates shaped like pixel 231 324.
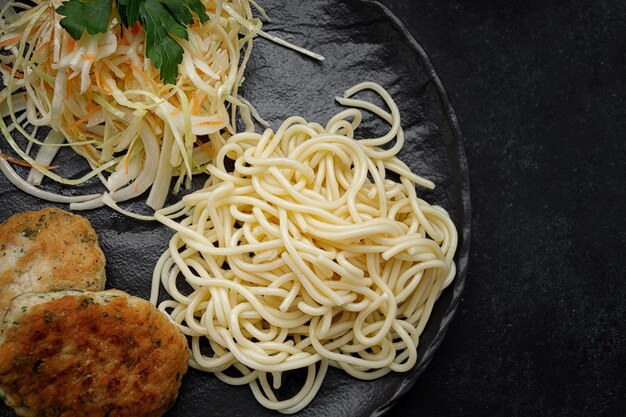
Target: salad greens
pixel 162 20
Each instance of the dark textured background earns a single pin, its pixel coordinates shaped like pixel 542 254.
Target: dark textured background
pixel 539 90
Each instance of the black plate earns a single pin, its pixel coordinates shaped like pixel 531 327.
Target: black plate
pixel 362 41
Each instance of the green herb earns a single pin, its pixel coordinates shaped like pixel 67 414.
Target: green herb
pixel 48 317
pixel 81 15
pixel 86 302
pixel 87 238
pixel 162 20
pixel 29 233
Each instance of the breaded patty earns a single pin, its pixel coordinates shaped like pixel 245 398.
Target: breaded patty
pixel 48 250
pixel 72 353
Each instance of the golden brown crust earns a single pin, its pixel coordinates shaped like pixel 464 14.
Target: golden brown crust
pixel 92 354
pixel 48 250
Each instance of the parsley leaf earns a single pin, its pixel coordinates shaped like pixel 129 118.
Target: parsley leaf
pixel 164 52
pixel 163 21
pixel 129 11
pixel 181 10
pixel 81 15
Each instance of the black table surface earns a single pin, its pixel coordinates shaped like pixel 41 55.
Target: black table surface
pixel 539 90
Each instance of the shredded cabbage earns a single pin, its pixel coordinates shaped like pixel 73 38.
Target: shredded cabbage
pixel 102 96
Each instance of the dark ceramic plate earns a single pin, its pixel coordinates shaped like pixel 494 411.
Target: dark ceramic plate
pixel 362 41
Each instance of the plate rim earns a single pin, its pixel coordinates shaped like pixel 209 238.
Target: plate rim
pixel 463 253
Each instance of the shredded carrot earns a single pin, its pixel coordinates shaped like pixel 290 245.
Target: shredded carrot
pixel 96 73
pixel 127 78
pixel 71 44
pixel 104 88
pixel 87 149
pixel 17 73
pixel 22 163
pixel 83 119
pixel 41 47
pixel 10 41
pixel 205 147
pixel 71 85
pixel 15 160
pixel 47 66
pixel 90 103
pixel 136 28
pixel 208 123
pixel 52 12
pixel 195 102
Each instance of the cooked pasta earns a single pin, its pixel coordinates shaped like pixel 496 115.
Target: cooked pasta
pixel 306 254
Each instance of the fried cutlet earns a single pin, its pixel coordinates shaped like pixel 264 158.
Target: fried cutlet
pixel 48 250
pixel 74 353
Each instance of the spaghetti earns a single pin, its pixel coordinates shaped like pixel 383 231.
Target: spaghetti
pixel 306 255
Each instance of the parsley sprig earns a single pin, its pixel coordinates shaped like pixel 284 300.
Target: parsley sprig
pixel 162 20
